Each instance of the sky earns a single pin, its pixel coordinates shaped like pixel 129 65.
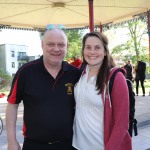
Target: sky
pixel 32 39
pixel 22 37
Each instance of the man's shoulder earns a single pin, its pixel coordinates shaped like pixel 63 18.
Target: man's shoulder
pixel 29 65
pixel 68 66
pixel 71 69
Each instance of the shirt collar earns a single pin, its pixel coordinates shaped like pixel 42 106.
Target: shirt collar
pixel 64 67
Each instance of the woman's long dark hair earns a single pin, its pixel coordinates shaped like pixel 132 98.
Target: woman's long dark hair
pixel 108 61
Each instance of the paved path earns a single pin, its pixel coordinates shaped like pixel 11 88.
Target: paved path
pixel 142 113
pixel 140 142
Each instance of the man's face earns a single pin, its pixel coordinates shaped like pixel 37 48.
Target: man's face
pixel 54 47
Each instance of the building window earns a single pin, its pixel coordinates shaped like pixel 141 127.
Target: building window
pixel 12 54
pixel 13 64
pixel 20 64
pixel 21 53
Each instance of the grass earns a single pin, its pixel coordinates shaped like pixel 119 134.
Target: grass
pixel 5 92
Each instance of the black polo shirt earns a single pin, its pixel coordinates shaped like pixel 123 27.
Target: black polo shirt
pixel 48 102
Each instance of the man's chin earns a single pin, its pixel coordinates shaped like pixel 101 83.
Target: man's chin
pixel 57 63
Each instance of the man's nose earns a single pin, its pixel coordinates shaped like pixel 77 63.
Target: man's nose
pixel 56 47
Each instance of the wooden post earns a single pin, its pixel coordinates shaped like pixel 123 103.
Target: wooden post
pixel 148 26
pixel 101 27
pixel 91 15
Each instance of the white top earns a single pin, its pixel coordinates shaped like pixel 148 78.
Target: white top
pixel 88 122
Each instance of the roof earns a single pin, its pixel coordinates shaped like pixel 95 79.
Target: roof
pixel 71 13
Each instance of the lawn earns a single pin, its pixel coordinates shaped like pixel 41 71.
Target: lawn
pixel 5 92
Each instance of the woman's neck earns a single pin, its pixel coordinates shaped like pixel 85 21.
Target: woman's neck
pixel 93 71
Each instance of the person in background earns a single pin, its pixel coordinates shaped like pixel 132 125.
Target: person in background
pixel 140 73
pixel 46 88
pixel 77 62
pixel 100 123
pixel 129 70
pixel 123 64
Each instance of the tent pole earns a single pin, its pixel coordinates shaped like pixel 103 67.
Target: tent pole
pixel 91 15
pixel 101 27
pixel 148 26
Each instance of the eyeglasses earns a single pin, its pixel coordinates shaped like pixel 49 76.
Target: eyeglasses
pixel 52 26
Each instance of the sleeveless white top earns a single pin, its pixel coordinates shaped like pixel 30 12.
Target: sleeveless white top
pixel 88 121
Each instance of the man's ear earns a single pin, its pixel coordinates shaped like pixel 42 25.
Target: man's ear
pixel 42 44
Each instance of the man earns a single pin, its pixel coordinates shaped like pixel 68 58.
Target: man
pixel 46 88
pixel 129 70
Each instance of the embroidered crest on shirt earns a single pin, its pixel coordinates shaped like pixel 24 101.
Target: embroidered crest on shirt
pixel 69 88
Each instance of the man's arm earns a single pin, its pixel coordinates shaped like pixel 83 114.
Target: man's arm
pixel 11 118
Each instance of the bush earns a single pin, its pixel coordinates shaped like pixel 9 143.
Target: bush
pixel 5 80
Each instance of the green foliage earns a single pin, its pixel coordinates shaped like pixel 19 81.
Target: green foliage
pixel 148 69
pixel 135 48
pixel 74 43
pixel 5 79
pixel 136 31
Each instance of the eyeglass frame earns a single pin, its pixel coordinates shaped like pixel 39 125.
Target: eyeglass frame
pixel 53 26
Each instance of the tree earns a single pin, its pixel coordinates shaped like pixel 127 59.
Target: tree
pixel 136 31
pixel 136 45
pixel 74 41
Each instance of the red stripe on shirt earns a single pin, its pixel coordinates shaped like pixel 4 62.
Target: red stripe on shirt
pixel 12 97
pixel 24 129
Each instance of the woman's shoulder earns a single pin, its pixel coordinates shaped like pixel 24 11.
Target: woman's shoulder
pixel 115 71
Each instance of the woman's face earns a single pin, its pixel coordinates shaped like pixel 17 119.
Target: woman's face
pixel 94 51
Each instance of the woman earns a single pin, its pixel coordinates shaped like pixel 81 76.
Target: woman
pixel 140 69
pixel 100 123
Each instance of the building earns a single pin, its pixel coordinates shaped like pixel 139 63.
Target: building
pixel 31 58
pixel 12 57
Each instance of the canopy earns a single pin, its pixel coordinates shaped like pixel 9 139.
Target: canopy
pixel 71 13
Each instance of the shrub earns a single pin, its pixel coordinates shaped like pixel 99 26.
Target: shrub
pixel 5 79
